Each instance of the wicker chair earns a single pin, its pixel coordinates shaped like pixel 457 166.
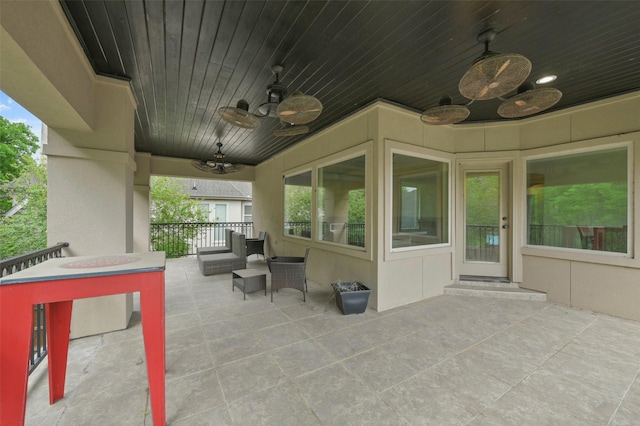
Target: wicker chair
pixel 227 248
pixel 256 245
pixel 289 272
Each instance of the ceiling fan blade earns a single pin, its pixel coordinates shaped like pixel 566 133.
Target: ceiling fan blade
pixel 502 68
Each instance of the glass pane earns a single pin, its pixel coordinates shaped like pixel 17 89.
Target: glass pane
pixel 297 205
pixel 420 201
pixel 220 217
pixel 342 202
pixel 579 201
pixel 482 216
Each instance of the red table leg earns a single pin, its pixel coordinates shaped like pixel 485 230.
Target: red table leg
pixel 58 326
pixel 16 323
pixel 152 313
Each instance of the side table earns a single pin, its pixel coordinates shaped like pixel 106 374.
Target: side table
pixel 57 283
pixel 249 280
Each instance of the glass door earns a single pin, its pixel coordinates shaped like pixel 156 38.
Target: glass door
pixel 485 223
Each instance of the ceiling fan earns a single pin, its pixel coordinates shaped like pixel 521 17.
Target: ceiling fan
pixel 218 165
pixel 529 100
pixel 491 76
pixel 291 129
pixel 295 110
pixel 445 113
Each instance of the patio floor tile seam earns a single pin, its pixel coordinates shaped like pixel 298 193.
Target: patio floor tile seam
pixel 598 390
pixel 624 397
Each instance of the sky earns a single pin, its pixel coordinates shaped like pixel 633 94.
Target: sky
pixel 13 111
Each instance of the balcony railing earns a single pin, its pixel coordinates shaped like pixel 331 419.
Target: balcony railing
pixel 300 229
pixel 482 243
pixel 355 232
pixel 183 239
pixel 39 334
pixel 601 238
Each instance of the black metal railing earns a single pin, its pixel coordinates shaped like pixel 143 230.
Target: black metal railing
pixel 482 243
pixel 343 232
pixel 600 238
pixel 355 234
pixel 299 229
pixel 39 334
pixel 183 239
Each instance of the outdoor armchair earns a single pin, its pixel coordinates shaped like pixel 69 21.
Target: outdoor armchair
pixel 289 272
pixel 256 245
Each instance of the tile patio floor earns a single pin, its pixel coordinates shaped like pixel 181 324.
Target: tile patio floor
pixel 448 360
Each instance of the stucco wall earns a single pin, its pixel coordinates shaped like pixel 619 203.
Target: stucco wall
pixel 604 283
pixel 327 263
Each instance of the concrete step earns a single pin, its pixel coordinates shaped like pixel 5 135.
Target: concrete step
pixel 499 284
pixel 497 290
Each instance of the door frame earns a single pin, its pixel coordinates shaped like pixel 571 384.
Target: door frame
pixel 505 267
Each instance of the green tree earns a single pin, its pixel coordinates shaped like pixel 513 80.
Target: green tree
pixel 170 204
pixel 357 206
pixel 482 200
pixel 17 145
pixel 26 230
pixel 297 203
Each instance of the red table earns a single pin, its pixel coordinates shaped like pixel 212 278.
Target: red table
pixel 57 282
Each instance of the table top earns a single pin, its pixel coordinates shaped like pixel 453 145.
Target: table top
pixel 246 273
pixel 88 266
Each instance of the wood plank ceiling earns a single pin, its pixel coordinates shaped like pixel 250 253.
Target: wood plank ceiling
pixel 186 59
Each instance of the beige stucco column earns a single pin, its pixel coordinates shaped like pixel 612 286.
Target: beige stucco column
pixel 141 194
pixel 90 200
pixel 89 143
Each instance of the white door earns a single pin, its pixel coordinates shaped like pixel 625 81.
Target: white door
pixel 483 235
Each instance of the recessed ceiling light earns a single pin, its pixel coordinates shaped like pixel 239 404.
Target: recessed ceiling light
pixel 546 79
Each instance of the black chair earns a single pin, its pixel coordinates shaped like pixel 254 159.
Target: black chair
pixel 256 245
pixel 289 272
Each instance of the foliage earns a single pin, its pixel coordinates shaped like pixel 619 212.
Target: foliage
pixel 297 201
pixel 26 230
pixel 170 203
pixel 570 205
pixel 482 198
pixel 357 207
pixel 17 144
pixel 347 286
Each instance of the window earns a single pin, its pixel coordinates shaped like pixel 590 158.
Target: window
pixel 247 213
pixel 579 200
pixel 203 208
pixel 342 202
pixel 297 205
pixel 420 201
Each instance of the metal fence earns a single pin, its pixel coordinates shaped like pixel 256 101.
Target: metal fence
pixel 183 239
pixel 355 232
pixel 39 334
pixel 299 229
pixel 601 238
pixel 482 243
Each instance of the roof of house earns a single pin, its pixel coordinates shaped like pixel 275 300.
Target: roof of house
pixel 218 189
